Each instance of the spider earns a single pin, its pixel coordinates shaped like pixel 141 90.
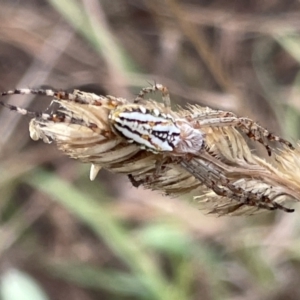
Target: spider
pixel 218 118
pixel 213 118
pixel 159 130
pixel 153 129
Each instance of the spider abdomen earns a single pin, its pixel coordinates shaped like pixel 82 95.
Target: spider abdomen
pixel 154 130
pixel 149 128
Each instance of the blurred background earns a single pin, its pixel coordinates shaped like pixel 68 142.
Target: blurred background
pixel 64 237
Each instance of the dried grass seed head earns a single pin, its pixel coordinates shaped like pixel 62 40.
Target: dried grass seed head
pixel 93 136
pixel 82 128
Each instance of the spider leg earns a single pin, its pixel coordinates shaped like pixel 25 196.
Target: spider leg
pixel 216 179
pixel 58 117
pixel 213 178
pixel 151 89
pixel 43 92
pixel 159 164
pixel 247 198
pixel 25 112
pixel 252 129
pixel 279 206
pixel 77 96
pixel 258 133
pixel 259 199
pixel 134 182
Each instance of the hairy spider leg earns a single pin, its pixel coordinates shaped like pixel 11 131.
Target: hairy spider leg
pixel 252 129
pixel 77 96
pixel 151 89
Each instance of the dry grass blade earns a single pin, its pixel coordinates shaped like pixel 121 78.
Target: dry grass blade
pixel 229 177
